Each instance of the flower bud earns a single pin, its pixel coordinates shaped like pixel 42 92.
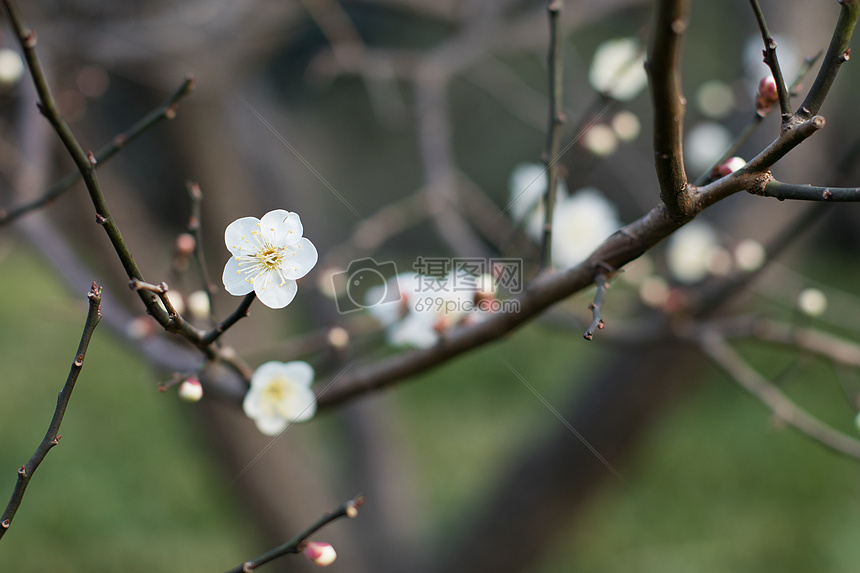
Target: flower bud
pixel 191 390
pixel 730 166
pixel 198 304
pixel 322 554
pixel 766 96
pixel 185 245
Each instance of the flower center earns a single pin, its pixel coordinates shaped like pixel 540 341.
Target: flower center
pixel 270 258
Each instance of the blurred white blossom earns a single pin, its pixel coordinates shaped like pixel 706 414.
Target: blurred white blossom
pixel 190 390
pixel 580 224
pixel 618 69
pixel 280 394
pixel 526 186
pixel 812 302
pixel 705 144
pixel 689 251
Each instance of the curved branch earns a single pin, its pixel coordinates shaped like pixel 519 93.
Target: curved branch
pixel 52 437
pixel 294 545
pixel 772 62
pixel 724 356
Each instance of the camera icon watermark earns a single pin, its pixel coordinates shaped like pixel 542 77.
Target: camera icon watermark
pixel 365 284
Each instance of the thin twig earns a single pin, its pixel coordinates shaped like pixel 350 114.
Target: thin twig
pixel 166 110
pixel 772 62
pixel 52 437
pixel 554 129
pixel 597 306
pixel 837 54
pixel 238 314
pixel 297 543
pixel 724 356
pixel 194 228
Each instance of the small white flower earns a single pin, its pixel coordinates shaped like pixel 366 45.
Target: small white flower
pixel 580 223
pixel 527 185
pixel 690 250
pixel 280 394
pixel 269 255
pixel 618 69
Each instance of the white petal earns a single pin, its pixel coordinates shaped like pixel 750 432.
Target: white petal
pixel 303 406
pixel 299 372
pixel 239 232
pixel 281 227
pixel 272 292
pixel 299 259
pixel 234 280
pixel 271 426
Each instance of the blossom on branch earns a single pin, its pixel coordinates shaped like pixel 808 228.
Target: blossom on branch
pixel 269 255
pixel 322 554
pixel 280 394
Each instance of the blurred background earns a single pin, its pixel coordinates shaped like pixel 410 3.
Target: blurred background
pixel 394 128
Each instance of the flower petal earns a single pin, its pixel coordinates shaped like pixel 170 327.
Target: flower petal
pixel 299 259
pixel 299 372
pixel 271 426
pixel 234 280
pixel 239 233
pixel 281 227
pixel 272 291
pixel 303 405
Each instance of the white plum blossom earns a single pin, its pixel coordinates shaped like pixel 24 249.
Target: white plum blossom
pixel 280 394
pixel 527 185
pixel 580 223
pixel 427 306
pixel 618 69
pixel 269 255
pixel 690 250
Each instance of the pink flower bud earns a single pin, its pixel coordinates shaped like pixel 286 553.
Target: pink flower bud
pixel 185 244
pixel 322 554
pixel 191 390
pixel 730 166
pixel 767 95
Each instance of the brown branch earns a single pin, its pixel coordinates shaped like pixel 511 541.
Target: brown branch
pixel 546 290
pixel 772 62
pixel 556 121
pixel 52 437
pixel 663 65
pixel 166 110
pixel 297 543
pixel 715 347
pixel 837 54
pixel 782 191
